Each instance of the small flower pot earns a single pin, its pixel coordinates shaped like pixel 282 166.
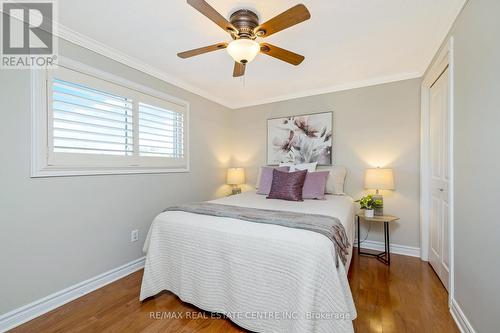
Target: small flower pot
pixel 369 212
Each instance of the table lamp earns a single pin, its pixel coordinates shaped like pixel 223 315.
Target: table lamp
pixel 379 179
pixel 235 177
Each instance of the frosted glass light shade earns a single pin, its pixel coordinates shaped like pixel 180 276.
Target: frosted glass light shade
pixel 243 50
pixel 235 176
pixel 379 179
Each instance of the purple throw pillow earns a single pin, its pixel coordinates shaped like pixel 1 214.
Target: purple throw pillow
pixel 287 185
pixel 314 185
pixel 266 178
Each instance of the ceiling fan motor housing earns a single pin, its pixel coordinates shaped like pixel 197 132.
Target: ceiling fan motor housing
pixel 245 21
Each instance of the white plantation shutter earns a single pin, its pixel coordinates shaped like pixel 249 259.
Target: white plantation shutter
pixel 90 121
pixel 96 123
pixel 160 132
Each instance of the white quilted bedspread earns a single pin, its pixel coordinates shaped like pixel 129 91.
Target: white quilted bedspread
pixel 265 278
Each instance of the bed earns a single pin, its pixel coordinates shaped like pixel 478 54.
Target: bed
pixel 264 277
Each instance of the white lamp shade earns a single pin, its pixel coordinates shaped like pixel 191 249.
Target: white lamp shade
pixel 379 179
pixel 243 50
pixel 235 176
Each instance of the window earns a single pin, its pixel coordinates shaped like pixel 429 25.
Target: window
pixel 160 132
pixel 96 123
pixel 89 121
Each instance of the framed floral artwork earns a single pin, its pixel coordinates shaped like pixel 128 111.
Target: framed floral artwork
pixel 300 139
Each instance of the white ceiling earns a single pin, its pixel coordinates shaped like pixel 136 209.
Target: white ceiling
pixel 347 43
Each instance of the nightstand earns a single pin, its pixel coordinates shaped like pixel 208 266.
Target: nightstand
pixel 385 256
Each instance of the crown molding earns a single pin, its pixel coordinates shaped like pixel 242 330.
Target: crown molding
pixel 102 49
pixel 336 88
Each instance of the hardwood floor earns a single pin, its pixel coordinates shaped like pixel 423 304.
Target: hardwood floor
pixel 405 297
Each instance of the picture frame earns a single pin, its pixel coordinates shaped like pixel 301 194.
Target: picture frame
pixel 303 138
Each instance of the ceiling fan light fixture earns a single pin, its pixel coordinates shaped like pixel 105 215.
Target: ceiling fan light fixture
pixel 243 50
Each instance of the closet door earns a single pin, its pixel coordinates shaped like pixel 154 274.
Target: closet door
pixel 439 171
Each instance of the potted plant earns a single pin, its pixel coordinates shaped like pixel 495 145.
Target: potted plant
pixel 369 204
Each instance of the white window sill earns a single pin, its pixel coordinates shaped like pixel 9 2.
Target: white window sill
pixel 59 172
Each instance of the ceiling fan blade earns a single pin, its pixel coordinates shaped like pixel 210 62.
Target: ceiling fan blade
pixel 281 54
pixel 207 10
pixel 239 69
pixel 201 50
pixel 284 20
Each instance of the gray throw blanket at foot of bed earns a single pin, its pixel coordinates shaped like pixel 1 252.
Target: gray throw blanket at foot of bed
pixel 323 224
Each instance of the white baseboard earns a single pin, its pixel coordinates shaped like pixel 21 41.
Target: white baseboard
pixel 395 248
pixel 37 308
pixel 462 322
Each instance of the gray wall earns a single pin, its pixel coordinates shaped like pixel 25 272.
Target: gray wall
pixel 56 232
pixel 373 126
pixel 477 163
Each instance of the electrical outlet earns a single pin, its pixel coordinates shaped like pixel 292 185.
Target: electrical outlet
pixel 134 235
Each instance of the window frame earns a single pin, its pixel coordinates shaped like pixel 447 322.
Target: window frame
pixel 46 163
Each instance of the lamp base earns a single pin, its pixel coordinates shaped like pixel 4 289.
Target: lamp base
pixel 236 190
pixel 379 211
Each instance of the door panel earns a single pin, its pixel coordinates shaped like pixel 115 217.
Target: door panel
pixel 435 243
pixel 436 126
pixel 446 230
pixel 446 148
pixel 439 171
pixel 445 262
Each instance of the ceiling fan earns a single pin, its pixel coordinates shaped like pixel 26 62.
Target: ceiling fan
pixel 244 28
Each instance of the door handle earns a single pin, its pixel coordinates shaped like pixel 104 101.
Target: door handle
pixel 441 190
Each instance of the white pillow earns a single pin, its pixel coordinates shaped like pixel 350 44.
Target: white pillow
pixel 310 167
pixel 336 179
